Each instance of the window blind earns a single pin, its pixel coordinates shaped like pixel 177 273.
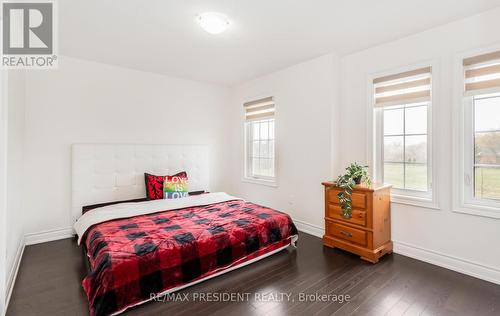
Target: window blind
pixel 259 109
pixel 482 74
pixel 403 88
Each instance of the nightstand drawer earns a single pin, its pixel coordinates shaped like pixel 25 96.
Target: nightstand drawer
pixel 358 217
pixel 358 199
pixel 350 234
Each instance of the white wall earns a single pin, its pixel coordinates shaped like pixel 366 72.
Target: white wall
pixel 460 241
pixel 306 103
pixel 322 125
pixel 18 186
pixel 87 102
pixel 3 186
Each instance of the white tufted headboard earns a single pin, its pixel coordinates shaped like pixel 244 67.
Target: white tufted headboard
pixel 112 172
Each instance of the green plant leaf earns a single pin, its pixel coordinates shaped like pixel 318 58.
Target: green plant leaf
pixel 347 183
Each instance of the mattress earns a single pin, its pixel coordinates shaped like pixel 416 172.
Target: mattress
pixel 139 250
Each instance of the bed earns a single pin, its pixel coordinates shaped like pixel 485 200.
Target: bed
pixel 139 250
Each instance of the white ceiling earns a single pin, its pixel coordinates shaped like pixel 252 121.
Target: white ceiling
pixel 161 36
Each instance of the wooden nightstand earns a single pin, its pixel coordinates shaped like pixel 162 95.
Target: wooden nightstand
pixel 368 231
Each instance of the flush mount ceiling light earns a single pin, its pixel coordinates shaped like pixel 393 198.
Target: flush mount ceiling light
pixel 213 22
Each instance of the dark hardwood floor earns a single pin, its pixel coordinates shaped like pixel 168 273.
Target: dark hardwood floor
pixel 49 278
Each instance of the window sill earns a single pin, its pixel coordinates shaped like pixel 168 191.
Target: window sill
pixel 478 210
pixel 415 201
pixel 268 183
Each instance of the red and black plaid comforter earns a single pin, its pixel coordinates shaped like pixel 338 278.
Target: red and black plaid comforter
pixel 134 257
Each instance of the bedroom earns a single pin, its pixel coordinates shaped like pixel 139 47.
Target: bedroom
pixel 146 82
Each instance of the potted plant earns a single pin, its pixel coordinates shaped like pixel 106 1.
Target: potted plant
pixel 355 174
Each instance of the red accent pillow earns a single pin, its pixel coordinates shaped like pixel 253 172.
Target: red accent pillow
pixel 154 185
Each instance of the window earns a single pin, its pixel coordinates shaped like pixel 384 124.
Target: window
pixel 487 147
pixel 405 147
pixel 260 160
pixel 482 130
pixel 402 137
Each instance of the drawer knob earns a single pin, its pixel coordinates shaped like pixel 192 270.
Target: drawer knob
pixel 348 234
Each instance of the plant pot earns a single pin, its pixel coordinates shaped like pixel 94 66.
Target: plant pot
pixel 357 180
pixel 346 215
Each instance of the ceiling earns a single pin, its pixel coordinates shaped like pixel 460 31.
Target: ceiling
pixel 161 36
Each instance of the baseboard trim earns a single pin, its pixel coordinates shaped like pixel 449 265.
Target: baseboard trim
pixel 13 272
pixel 48 235
pixel 309 228
pixel 473 269
pixel 32 239
pixel 449 262
pixel 464 266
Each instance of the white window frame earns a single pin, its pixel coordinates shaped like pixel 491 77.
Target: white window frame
pixel 469 152
pixel 463 146
pixel 468 199
pixel 379 116
pixel 248 141
pixel 427 199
